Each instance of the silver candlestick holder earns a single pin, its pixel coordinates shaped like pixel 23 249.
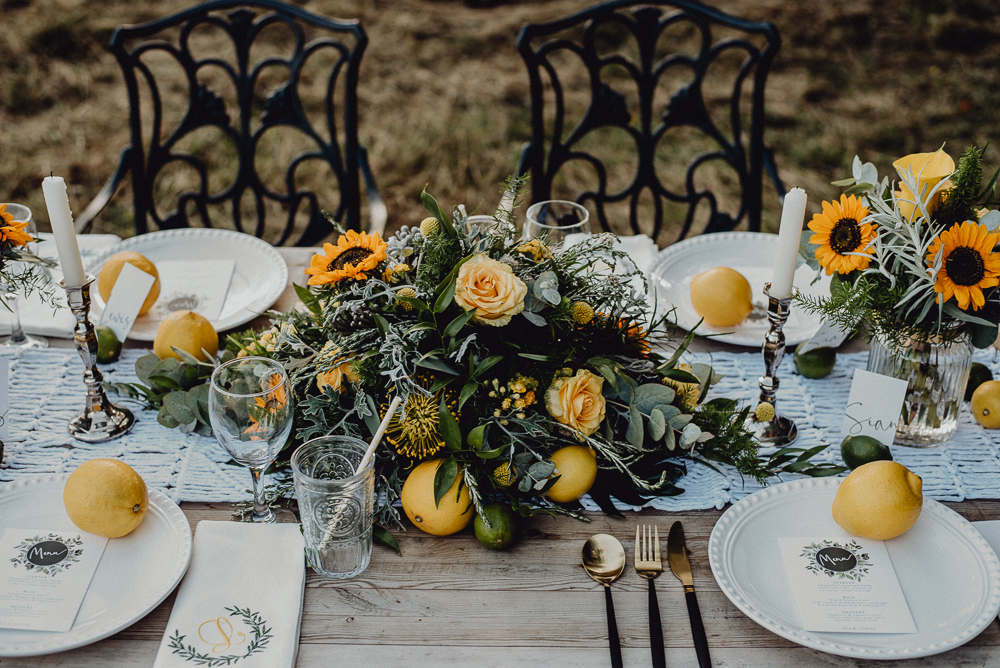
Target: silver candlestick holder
pixel 767 424
pixel 101 420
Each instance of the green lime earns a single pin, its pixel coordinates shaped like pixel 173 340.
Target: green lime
pixel 817 363
pixel 108 345
pixel 858 450
pixel 498 529
pixel 978 374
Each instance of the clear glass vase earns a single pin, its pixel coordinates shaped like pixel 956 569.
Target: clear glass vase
pixel 936 373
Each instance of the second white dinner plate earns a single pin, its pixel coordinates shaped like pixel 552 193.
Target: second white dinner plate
pixel 753 255
pixel 135 574
pixel 949 574
pixel 259 278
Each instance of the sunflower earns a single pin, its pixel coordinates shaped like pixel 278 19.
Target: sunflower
pixel 968 263
pixel 634 338
pixel 12 232
pixel 267 406
pixel 354 254
pixel 839 231
pixel 415 429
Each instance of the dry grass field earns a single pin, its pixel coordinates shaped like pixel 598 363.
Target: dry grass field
pixel 443 94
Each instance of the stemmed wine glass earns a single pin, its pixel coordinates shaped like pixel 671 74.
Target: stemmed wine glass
pixel 18 339
pixel 250 408
pixel 554 220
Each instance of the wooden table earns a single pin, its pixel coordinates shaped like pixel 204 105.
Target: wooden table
pixel 451 602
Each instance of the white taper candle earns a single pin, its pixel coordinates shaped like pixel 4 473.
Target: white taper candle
pixel 61 219
pixel 789 235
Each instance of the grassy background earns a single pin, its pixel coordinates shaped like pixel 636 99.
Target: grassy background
pixel 443 94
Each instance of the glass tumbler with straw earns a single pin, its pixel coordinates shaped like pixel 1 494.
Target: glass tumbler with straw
pixel 18 339
pixel 553 221
pixel 334 485
pixel 250 408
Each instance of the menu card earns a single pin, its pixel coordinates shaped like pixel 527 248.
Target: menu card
pixel 845 585
pixel 44 576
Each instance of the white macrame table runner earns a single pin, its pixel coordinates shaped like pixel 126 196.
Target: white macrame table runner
pixel 46 391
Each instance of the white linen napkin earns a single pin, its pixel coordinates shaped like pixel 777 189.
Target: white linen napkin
pixel 241 598
pixel 37 317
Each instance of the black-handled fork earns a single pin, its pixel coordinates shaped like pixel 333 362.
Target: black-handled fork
pixel 649 565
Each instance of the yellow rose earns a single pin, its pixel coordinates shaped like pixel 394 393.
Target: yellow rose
pixel 576 401
pixel 928 169
pixel 491 288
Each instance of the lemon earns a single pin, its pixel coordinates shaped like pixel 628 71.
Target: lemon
pixel 576 466
pixel 985 404
pixel 452 514
pixel 815 363
pixel 721 296
pixel 496 526
pixel 188 331
pixel 105 497
pixel 109 274
pixel 978 374
pixel 108 345
pixel 878 500
pixel 859 450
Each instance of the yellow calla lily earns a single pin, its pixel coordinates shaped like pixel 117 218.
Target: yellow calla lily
pixel 929 169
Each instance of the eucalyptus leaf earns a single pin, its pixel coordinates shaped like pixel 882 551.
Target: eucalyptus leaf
pixel 679 421
pixel 166 419
pixel 534 318
pixel 176 404
pixel 650 394
pixel 634 433
pixel 552 297
pixel 690 435
pixel 144 367
pixel 542 470
pixel 657 424
pixel 164 382
pixel 188 427
pixel 991 220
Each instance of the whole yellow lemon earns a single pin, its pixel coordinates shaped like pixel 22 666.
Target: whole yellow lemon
pixel 188 331
pixel 109 274
pixel 576 466
pixel 721 296
pixel 879 500
pixel 985 404
pixel 452 514
pixel 105 497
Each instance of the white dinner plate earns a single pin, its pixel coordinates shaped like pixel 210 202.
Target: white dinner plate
pixel 258 280
pixel 949 574
pixel 751 254
pixel 134 575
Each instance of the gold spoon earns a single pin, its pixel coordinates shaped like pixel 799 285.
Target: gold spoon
pixel 604 560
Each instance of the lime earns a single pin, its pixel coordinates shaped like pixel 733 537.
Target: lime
pixel 498 529
pixel 859 450
pixel 108 345
pixel 978 374
pixel 816 363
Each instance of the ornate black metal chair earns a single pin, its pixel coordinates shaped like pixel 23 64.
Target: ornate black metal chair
pixel 268 128
pixel 675 91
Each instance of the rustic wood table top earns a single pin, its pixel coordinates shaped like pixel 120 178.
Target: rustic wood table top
pixel 447 601
pixel 450 602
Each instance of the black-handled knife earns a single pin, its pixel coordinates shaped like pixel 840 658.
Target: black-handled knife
pixel 677 557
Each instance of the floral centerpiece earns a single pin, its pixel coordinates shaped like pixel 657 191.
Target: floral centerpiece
pixel 505 351
pixel 917 267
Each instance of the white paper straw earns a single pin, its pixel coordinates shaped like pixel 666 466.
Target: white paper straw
pixel 396 401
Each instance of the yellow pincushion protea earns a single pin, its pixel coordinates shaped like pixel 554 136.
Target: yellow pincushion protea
pixel 582 313
pixel 765 412
pixel 355 254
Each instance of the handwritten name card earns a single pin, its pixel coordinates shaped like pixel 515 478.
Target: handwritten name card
pixel 874 406
pixel 126 299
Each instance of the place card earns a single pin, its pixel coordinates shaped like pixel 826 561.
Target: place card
pixel 844 585
pixel 874 405
pixel 44 576
pixel 827 336
pixel 193 285
pixel 127 296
